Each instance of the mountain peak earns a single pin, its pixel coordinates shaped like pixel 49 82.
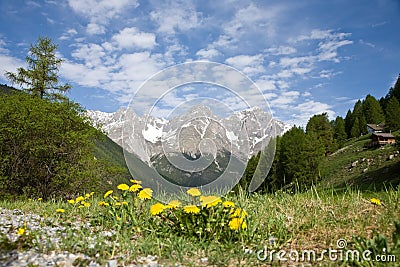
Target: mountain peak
pixel 242 133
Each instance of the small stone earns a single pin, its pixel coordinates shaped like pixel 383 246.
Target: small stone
pixel 112 263
pixel 204 260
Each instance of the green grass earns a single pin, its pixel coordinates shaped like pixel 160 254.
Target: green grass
pixel 374 171
pixel 315 219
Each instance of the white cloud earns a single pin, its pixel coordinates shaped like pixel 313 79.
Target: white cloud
pixel 102 66
pixel 132 38
pixel 367 43
pixel 175 16
pixel 8 63
pixel 68 34
pixel 265 84
pixel 281 50
pixel 285 100
pixel 100 9
pixel 91 54
pixel 174 52
pixel 86 76
pixel 327 74
pixel 95 28
pixel 248 22
pixel 247 64
pixel 99 12
pixel 329 49
pixel 208 53
pixel 306 110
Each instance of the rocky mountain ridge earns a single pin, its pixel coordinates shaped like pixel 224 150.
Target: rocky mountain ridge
pixel 199 130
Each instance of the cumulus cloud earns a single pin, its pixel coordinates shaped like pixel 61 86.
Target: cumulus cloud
pixel 248 64
pixel 95 28
pixel 208 53
pixel 175 16
pixel 8 62
pixel 133 38
pixel 100 12
pixel 309 108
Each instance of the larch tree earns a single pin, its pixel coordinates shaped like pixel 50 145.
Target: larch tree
pixel 40 78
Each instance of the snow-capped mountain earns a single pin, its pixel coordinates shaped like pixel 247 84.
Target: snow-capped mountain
pixel 198 131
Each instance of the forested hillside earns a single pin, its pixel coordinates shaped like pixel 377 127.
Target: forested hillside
pixel 323 150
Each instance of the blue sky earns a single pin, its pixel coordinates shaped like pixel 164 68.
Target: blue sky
pixel 307 57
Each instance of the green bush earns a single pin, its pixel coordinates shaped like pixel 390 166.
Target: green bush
pixel 45 147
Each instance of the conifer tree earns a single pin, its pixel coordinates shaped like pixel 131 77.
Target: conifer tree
pixel 348 123
pixel 339 135
pixel 41 77
pixel 393 114
pixel 355 130
pixel 320 126
pixel 372 110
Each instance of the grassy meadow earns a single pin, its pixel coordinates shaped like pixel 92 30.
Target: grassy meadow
pixel 127 224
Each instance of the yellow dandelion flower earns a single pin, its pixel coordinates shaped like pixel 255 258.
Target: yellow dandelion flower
pixel 118 204
pixel 87 195
pixel 87 204
pixel 21 231
pixel 133 181
pixel 60 210
pixel 191 209
pixel 91 193
pixel 236 223
pixel 40 199
pixel 71 201
pixel 210 201
pixel 134 188
pixel 239 213
pixel 102 203
pixel 79 199
pixel 118 218
pixel 376 201
pixel 228 204
pixel 80 206
pixel 173 204
pixel 123 187
pixel 109 192
pixel 124 203
pixel 194 192
pixel 146 193
pixel 157 208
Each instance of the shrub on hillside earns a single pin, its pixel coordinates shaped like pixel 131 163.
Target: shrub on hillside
pixel 45 147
